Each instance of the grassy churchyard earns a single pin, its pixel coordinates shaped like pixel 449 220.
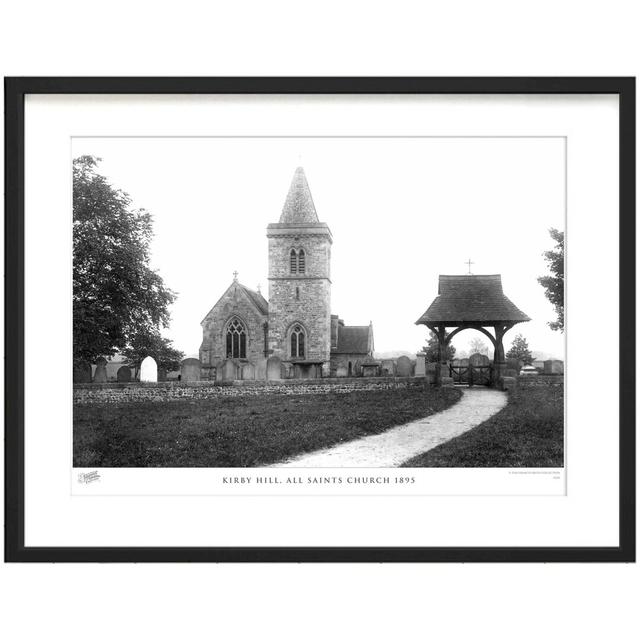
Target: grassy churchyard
pixel 528 432
pixel 240 432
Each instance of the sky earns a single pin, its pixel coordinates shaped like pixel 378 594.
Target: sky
pixel 401 211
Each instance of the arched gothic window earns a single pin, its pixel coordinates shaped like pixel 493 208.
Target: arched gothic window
pixel 297 261
pixel 236 339
pixel 297 341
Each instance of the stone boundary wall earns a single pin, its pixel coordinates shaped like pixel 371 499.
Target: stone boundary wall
pixel 541 380
pixel 114 392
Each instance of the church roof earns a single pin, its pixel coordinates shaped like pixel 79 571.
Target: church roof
pixel 353 340
pixel 471 299
pixel 254 296
pixel 257 299
pixel 298 206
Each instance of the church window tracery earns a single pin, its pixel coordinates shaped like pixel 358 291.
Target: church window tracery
pixel 297 341
pixel 236 339
pixel 297 261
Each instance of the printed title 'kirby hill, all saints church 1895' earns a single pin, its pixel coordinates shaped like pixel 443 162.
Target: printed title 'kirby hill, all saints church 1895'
pixel 295 325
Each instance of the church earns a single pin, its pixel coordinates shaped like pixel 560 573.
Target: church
pixel 293 334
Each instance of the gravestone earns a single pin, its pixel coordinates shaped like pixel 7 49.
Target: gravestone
pixel 478 360
pixel 430 373
pixel 261 369
pixel 404 366
pixel 162 374
pixel 388 368
pixel 370 369
pixel 216 369
pixel 248 372
pixel 123 374
pixel 101 370
pixel 148 370
pixel 275 370
pixel 342 371
pixel 553 366
pixel 229 370
pixel 82 373
pixel 190 370
pixel 421 365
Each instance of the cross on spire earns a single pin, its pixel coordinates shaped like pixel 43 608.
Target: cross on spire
pixel 469 263
pixel 235 276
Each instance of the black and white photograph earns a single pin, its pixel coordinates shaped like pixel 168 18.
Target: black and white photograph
pixel 320 320
pixel 365 320
pixel 319 302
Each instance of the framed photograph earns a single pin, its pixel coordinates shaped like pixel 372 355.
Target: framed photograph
pixel 320 319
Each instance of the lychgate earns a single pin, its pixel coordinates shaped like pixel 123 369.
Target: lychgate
pixel 471 302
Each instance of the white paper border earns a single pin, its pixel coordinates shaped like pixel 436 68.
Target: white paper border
pixel 586 516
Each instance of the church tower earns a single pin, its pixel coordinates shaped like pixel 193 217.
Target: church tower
pixel 300 284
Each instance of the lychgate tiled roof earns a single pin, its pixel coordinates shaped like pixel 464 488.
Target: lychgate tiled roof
pixel 353 340
pixel 299 207
pixel 471 299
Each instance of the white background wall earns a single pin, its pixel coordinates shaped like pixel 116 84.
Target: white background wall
pixel 328 38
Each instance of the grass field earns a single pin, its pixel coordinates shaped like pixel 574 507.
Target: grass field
pixel 528 432
pixel 240 432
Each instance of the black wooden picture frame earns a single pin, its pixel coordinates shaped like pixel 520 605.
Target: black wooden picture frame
pixel 15 91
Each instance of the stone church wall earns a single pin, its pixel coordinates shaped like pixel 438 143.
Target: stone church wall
pixel 312 310
pixel 317 250
pixel 303 298
pixel 234 302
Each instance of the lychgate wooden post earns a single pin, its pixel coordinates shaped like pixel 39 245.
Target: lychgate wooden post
pixel 499 364
pixel 441 368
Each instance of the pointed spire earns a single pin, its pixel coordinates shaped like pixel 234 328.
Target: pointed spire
pixel 299 207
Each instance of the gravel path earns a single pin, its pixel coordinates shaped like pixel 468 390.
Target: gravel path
pixel 399 444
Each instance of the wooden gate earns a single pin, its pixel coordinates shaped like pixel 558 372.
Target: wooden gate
pixel 471 374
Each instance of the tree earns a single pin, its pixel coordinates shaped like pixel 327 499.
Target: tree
pixel 520 350
pixel 477 345
pixel 154 345
pixel 430 350
pixel 116 295
pixel 554 284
